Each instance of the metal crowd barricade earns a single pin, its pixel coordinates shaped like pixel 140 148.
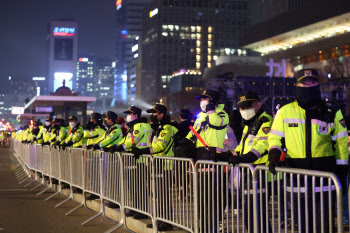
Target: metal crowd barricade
pixel 225 197
pixel 175 196
pixel 64 177
pixel 137 178
pixel 77 176
pixel 45 162
pixel 112 183
pixel 92 178
pixel 30 162
pixel 298 200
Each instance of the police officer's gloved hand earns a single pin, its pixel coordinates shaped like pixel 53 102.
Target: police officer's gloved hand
pixel 234 160
pixel 138 152
pixel 106 149
pixel 116 148
pixel 274 159
pixel 210 107
pixel 63 146
pixel 96 147
pixel 89 147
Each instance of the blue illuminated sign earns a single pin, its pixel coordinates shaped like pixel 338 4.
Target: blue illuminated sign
pixel 63 31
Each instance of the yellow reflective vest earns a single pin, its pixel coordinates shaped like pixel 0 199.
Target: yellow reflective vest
pixel 111 137
pixel 94 135
pixel 140 132
pixel 213 126
pixel 254 138
pixel 76 136
pixel 315 139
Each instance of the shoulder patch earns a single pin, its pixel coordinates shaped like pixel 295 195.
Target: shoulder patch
pixel 163 134
pixel 342 122
pixel 266 130
pixel 136 132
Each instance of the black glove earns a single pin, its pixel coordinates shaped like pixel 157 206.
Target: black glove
pixel 57 143
pixel 234 159
pixel 89 147
pixel 96 147
pixel 106 149
pixel 274 159
pixel 63 146
pixel 138 152
pixel 116 148
pixel 209 107
pixel 212 151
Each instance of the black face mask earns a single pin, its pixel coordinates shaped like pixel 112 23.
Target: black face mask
pixel 105 122
pixel 154 118
pixel 308 97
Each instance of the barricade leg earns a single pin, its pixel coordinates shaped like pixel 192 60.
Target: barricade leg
pixel 38 194
pixel 116 227
pixel 52 196
pixel 22 180
pixel 92 218
pixel 36 187
pixel 64 201
pixel 29 183
pixel 74 209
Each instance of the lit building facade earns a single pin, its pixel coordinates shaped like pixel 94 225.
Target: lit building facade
pixel 63 47
pixel 129 26
pixel 85 82
pixel 317 39
pixel 187 35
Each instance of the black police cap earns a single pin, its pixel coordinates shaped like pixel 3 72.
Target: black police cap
pixel 110 115
pixel 186 114
pixel 96 116
pixel 72 118
pixel 158 108
pixel 134 110
pixel 246 99
pixel 307 73
pixel 211 94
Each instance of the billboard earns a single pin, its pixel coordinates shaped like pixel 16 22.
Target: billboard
pixel 63 49
pixel 59 77
pixel 17 110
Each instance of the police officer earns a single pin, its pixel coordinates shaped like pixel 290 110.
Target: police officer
pixel 211 125
pixel 253 147
pixel 94 130
pixel 112 136
pixel 162 145
pixel 76 134
pixel 56 131
pixel 137 130
pixel 162 138
pixel 42 135
pixel 314 134
pixel 211 122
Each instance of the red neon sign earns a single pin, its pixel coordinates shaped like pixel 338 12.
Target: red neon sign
pixel 63 34
pixel 118 2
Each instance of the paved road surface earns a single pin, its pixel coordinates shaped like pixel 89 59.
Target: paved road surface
pixel 22 210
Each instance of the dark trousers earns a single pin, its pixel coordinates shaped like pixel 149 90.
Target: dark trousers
pixel 307 226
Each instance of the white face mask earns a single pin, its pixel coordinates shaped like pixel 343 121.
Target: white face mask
pixel 47 123
pixel 72 124
pixel 129 118
pixel 203 104
pixel 248 114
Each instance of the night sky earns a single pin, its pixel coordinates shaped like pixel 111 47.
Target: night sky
pixel 24 28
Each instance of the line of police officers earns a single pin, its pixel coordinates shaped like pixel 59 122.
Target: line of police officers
pixel 312 131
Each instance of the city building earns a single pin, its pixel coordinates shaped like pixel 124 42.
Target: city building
pixel 85 81
pixel 187 35
pixel 63 47
pixel 104 76
pixel 314 34
pixel 129 25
